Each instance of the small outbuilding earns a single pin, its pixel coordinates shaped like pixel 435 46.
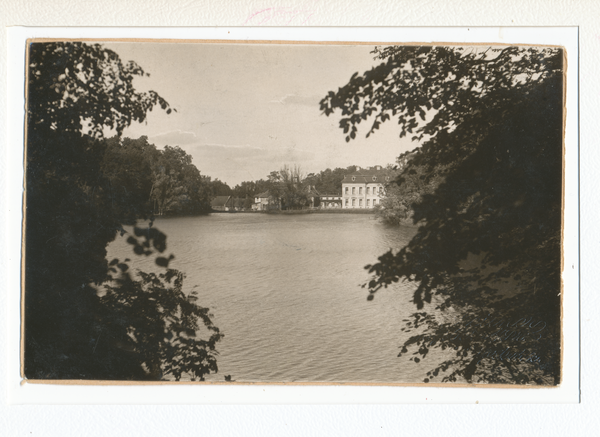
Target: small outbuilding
pixel 222 203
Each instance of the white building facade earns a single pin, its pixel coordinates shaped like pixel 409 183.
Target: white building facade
pixel 330 201
pixel 364 188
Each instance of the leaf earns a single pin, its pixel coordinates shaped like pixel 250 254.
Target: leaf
pixel 162 261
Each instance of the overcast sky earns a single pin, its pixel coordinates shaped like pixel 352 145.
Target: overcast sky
pixel 244 110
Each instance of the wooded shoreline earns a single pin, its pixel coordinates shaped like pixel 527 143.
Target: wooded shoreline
pixel 408 222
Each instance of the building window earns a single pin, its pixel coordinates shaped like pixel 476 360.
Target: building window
pixel 353 202
pixel 346 202
pixel 368 200
pixel 353 190
pixel 359 190
pixel 353 178
pixel 360 202
pixel 367 190
pixel 374 178
pixel 346 190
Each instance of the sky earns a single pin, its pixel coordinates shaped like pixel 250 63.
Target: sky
pixel 244 110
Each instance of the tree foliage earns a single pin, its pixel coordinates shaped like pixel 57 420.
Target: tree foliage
pixel 77 87
pixel 153 319
pixel 145 180
pixel 329 181
pixel 408 187
pixel 81 190
pixel 288 188
pixel 219 188
pixel 127 165
pixel 249 189
pixel 487 257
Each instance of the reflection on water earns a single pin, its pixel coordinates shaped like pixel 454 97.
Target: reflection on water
pixel 286 292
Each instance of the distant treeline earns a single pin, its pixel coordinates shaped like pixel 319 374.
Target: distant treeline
pixel 165 182
pixel 325 182
pixel 162 182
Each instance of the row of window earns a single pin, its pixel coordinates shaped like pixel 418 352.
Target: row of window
pixel 360 202
pixel 387 178
pixel 376 190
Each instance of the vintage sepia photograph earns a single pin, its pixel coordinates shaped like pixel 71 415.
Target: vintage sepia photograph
pixel 293 212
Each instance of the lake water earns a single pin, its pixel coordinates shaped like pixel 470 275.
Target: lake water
pixel 286 292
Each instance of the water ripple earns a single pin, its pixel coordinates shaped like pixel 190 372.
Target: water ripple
pixel 285 291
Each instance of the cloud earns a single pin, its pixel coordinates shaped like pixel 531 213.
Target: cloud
pixel 293 99
pixel 227 151
pixel 291 154
pixel 174 138
pixel 235 163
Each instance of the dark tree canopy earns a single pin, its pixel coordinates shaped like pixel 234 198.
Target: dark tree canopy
pixel 405 190
pixel 85 318
pixel 329 181
pixel 77 87
pixel 487 257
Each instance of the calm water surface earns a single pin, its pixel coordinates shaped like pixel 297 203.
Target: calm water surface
pixel 286 292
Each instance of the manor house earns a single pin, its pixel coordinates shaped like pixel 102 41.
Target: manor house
pixel 364 187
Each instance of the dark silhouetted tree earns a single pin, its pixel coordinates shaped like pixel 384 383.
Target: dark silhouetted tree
pixel 486 260
pixel 78 197
pixel 405 190
pixel 128 166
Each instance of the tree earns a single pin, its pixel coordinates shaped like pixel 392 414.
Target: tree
pixel 407 188
pixel 198 193
pixel 78 191
pixel 167 193
pixel 486 259
pixel 287 189
pixel 250 188
pixel 248 202
pixel 128 166
pixel 145 180
pixel 220 188
pixel 178 186
pixel 329 181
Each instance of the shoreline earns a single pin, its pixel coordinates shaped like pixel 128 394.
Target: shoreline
pixel 301 211
pixel 404 223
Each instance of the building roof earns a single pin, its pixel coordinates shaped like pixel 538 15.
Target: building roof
pixel 263 195
pixel 312 192
pixel 366 175
pixel 219 201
